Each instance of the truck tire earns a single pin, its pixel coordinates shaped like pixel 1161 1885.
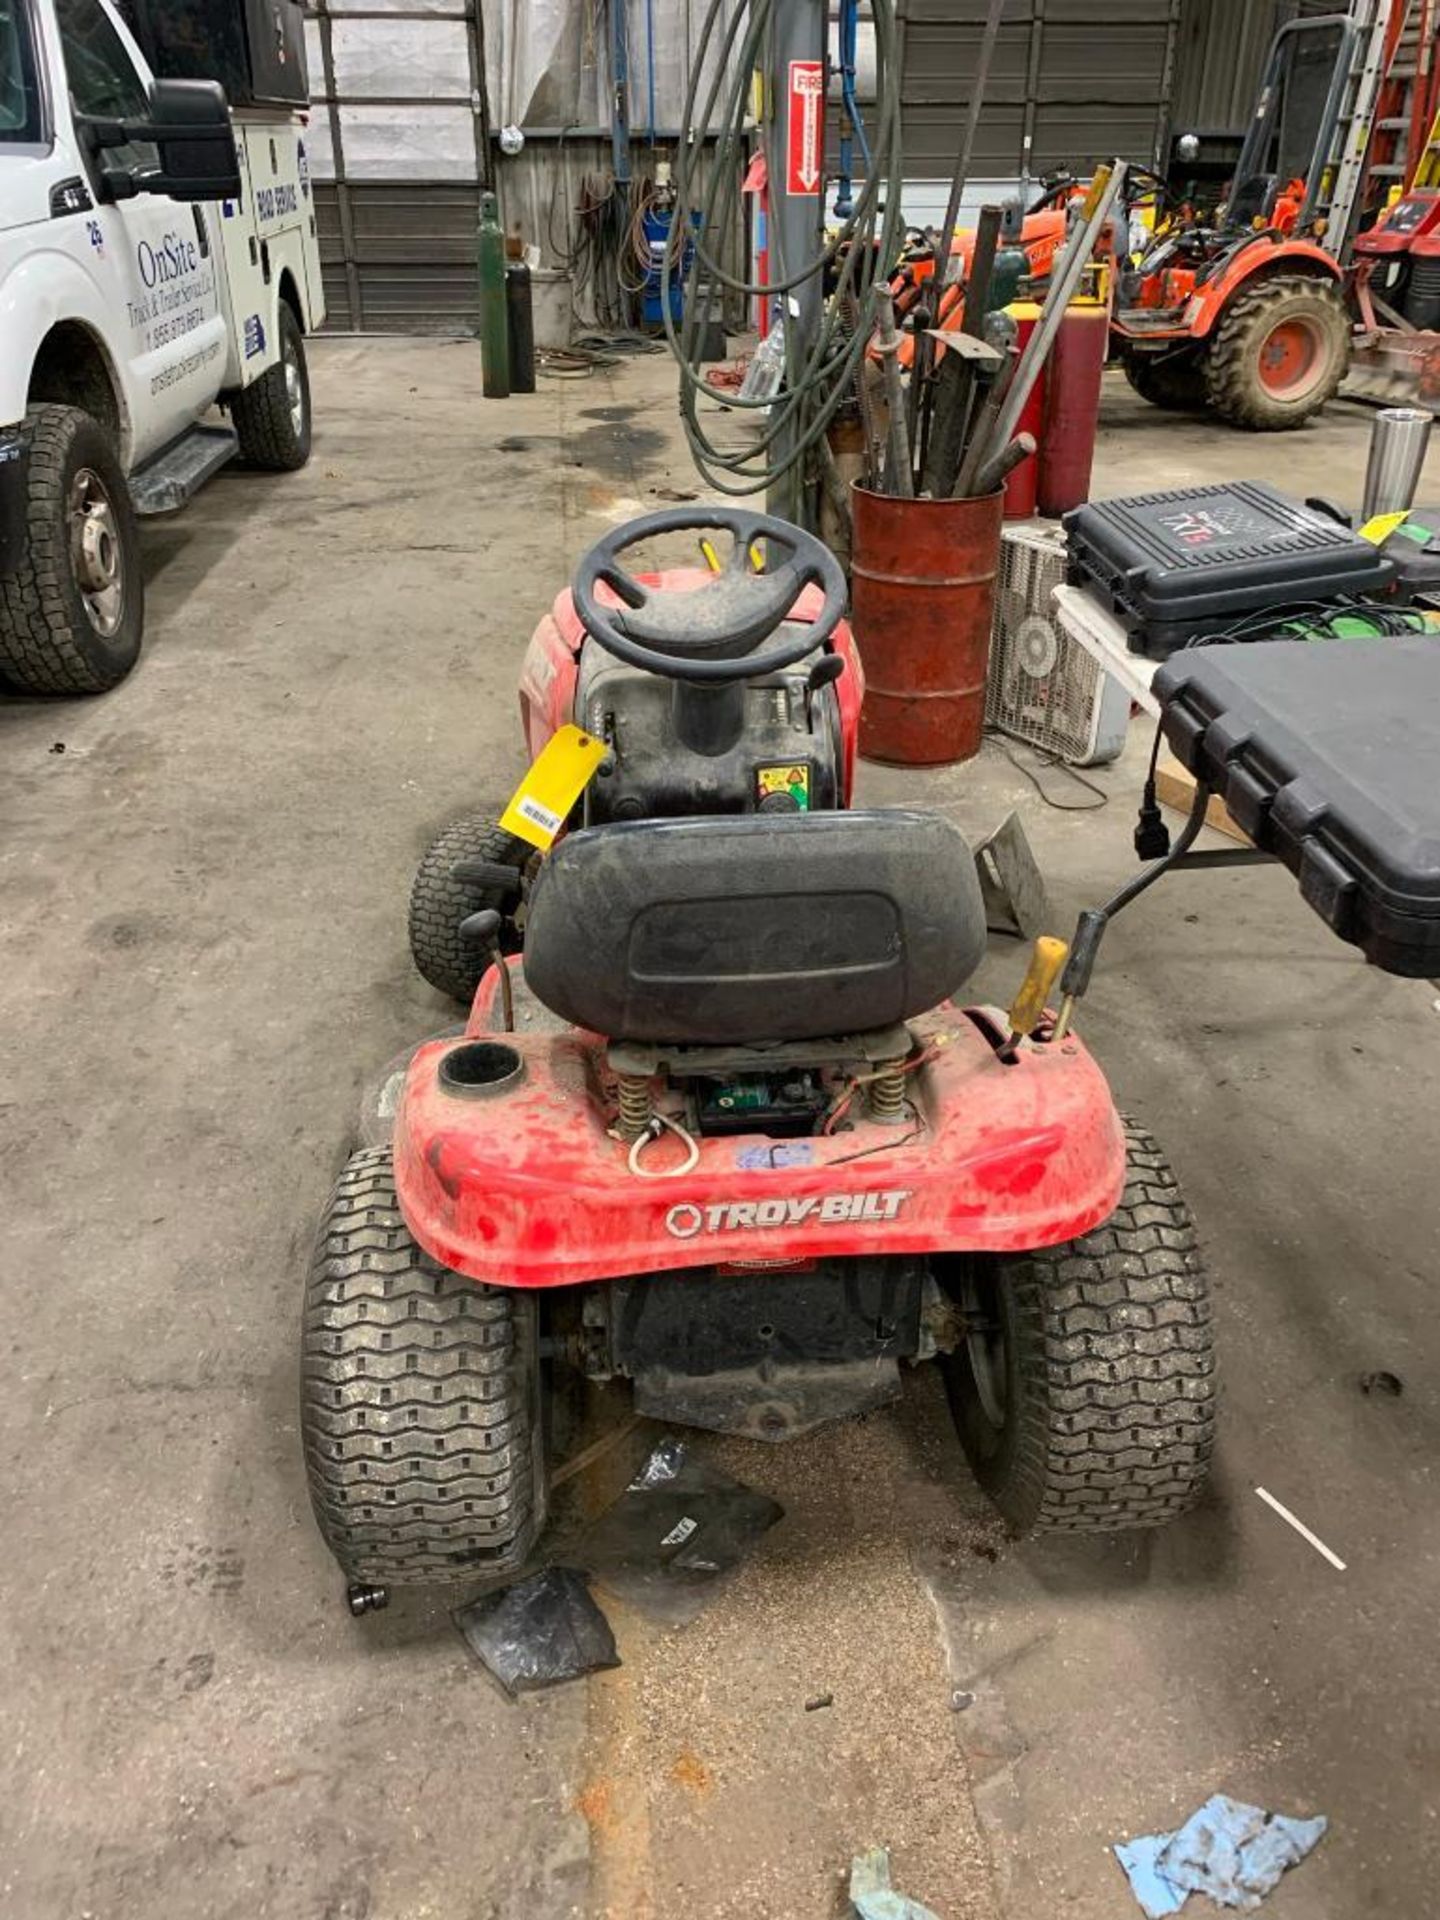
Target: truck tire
pixel 1084 1390
pixel 1279 351
pixel 419 1400
pixel 1174 381
pixel 272 415
pixel 73 612
pixel 439 901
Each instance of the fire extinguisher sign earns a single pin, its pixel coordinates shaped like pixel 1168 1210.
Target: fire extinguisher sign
pixel 806 126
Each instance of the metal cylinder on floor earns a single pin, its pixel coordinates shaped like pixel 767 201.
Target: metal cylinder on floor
pixel 1022 486
pixel 1398 441
pixel 1072 407
pixel 923 600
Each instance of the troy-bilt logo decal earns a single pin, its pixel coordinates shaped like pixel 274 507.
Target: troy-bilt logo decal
pixel 828 1209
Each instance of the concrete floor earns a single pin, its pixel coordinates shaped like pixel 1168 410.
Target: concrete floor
pixel 203 957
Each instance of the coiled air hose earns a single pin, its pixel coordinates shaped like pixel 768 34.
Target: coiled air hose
pixel 820 373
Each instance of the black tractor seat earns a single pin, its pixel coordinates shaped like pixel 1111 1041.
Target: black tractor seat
pixel 748 928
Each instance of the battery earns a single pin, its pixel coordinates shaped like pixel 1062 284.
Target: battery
pixel 1177 566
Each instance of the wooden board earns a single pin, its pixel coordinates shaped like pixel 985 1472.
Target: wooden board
pixel 1175 787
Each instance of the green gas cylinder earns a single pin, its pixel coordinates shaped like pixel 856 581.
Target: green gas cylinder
pixel 494 345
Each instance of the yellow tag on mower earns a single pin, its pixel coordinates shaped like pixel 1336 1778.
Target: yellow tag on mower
pixel 561 772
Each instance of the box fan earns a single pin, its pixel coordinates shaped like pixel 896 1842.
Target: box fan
pixel 1043 687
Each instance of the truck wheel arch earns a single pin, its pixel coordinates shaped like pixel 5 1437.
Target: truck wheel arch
pixel 72 368
pixel 289 292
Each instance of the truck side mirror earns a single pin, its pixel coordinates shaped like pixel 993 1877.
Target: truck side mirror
pixel 189 126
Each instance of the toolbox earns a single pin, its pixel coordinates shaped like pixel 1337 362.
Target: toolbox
pixel 1327 753
pixel 1177 565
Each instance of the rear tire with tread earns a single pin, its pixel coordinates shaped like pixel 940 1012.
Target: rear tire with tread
pixel 1233 379
pixel 1108 1366
pixel 261 413
pixel 419 1400
pixel 439 902
pixel 48 642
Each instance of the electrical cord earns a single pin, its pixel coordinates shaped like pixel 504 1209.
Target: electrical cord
pixel 659 1121
pixel 820 372
pixel 1049 762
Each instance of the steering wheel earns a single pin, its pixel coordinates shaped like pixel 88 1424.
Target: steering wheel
pixel 711 633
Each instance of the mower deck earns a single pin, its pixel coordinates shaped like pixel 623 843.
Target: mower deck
pixel 525 1186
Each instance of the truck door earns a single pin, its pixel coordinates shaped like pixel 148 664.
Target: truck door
pixel 153 256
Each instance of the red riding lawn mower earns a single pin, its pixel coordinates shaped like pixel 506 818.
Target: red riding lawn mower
pixel 728 1131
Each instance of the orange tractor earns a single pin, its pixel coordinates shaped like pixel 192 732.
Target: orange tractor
pixel 1248 314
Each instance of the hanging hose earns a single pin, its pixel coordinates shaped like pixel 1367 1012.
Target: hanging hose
pixel 820 373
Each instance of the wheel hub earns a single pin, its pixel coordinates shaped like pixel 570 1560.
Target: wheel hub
pixel 95 551
pixel 1292 358
pixel 294 395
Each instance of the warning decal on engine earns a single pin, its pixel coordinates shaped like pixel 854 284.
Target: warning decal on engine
pixel 793 778
pixel 824 1209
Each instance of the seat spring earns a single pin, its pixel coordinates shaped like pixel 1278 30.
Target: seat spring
pixel 634 1091
pixel 887 1095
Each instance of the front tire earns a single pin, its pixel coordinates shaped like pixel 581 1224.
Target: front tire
pixel 1173 381
pixel 419 1400
pixel 440 900
pixel 73 613
pixel 1084 1392
pixel 272 415
pixel 1278 353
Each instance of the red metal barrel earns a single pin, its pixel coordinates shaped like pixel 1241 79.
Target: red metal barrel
pixel 922 601
pixel 1021 484
pixel 1072 407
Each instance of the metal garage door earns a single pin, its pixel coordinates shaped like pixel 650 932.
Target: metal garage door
pixel 399 140
pixel 1072 82
pixel 406 95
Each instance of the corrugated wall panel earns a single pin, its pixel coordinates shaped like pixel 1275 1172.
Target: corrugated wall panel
pixel 1080 80
pixel 1220 54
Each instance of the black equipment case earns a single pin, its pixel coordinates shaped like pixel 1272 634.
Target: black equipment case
pixel 1327 753
pixel 1173 566
pixel 254 48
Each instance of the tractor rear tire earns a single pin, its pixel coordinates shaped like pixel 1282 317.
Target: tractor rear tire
pixel 439 902
pixel 419 1400
pixel 1084 1390
pixel 1174 381
pixel 1278 353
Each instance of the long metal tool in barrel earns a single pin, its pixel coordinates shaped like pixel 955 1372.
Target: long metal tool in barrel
pixel 1104 190
pixel 978 84
pixel 898 477
pixel 928 394
pixel 954 378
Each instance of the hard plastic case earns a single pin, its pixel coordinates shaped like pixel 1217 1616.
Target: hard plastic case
pixel 1178 565
pixel 1327 753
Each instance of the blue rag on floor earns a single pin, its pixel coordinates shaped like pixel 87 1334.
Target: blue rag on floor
pixel 1230 1851
pixel 871 1894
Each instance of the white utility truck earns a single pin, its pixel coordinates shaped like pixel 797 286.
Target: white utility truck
pixel 157 258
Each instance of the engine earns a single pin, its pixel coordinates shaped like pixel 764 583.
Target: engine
pixel 678 747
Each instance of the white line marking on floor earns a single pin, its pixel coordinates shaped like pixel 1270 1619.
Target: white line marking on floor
pixel 1301 1528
